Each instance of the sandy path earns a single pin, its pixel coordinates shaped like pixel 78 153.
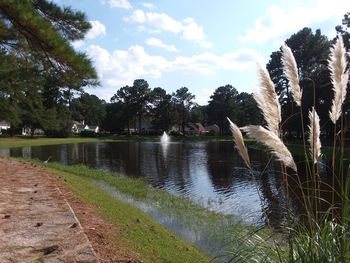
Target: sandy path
pixel 36 222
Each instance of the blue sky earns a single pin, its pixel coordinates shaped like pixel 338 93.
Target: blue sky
pixel 199 44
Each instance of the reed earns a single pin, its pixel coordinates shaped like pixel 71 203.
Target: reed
pixel 326 237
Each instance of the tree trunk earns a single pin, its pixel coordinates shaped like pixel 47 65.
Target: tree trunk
pixel 128 117
pixel 140 117
pixel 31 132
pixel 183 121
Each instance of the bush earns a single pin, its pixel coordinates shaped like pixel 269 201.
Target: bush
pixel 90 134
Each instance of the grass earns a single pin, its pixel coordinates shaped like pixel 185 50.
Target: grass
pixel 226 231
pixel 11 142
pixel 139 231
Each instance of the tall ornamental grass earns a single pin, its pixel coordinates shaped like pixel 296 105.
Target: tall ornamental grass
pixel 319 235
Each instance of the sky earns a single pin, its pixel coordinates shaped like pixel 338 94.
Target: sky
pixel 198 44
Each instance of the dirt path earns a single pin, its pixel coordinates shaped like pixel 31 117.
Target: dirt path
pixel 37 224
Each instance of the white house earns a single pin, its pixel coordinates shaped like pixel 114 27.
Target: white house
pixel 4 125
pixel 28 131
pixel 78 127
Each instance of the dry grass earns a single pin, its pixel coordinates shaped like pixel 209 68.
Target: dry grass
pixel 339 76
pixel 267 101
pixel 290 69
pixel 314 135
pixel 239 141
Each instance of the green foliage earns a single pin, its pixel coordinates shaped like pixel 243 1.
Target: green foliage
pixel 88 108
pixel 162 109
pixel 135 100
pixel 39 70
pixel 223 103
pixel 115 119
pixel 311 53
pixel 41 27
pixel 183 101
pixel 89 134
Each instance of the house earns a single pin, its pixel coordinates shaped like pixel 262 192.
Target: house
pixel 4 125
pixel 78 127
pixel 92 128
pixel 195 129
pixel 26 131
pixel 213 129
pixel 200 129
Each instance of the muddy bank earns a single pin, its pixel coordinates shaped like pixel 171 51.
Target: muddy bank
pixel 40 220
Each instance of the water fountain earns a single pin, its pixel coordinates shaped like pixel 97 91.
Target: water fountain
pixel 164 142
pixel 164 139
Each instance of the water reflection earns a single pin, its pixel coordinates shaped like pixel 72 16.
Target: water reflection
pixel 210 173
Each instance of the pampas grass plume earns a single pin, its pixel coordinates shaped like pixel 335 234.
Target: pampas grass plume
pixel 267 101
pixel 238 139
pixel 314 135
pixel 339 76
pixel 291 71
pixel 273 143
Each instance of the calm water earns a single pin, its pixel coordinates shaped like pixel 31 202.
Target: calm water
pixel 210 173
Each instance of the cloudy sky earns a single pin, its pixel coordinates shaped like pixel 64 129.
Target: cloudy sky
pixel 199 44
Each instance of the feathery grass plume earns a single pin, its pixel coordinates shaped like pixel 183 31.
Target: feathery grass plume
pixel 273 142
pixel 238 139
pixel 314 135
pixel 339 76
pixel 267 101
pixel 290 69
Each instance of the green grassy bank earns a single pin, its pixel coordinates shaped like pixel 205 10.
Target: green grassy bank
pixel 11 142
pixel 153 242
pixel 139 231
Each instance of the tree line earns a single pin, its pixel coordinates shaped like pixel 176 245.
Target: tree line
pixel 132 104
pixel 42 80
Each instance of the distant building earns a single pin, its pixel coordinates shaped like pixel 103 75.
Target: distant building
pixel 78 127
pixel 213 129
pixel 26 131
pixel 4 125
pixel 92 128
pixel 195 129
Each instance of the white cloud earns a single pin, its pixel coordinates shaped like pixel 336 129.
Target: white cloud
pixel 192 31
pixel 278 22
pixel 155 42
pixel 209 63
pixel 125 4
pixel 121 67
pixel 97 29
pixel 187 28
pixel 149 5
pixel 78 44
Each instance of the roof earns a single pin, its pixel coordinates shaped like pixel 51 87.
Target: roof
pixel 212 127
pixel 4 123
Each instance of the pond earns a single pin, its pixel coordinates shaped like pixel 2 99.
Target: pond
pixel 211 174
